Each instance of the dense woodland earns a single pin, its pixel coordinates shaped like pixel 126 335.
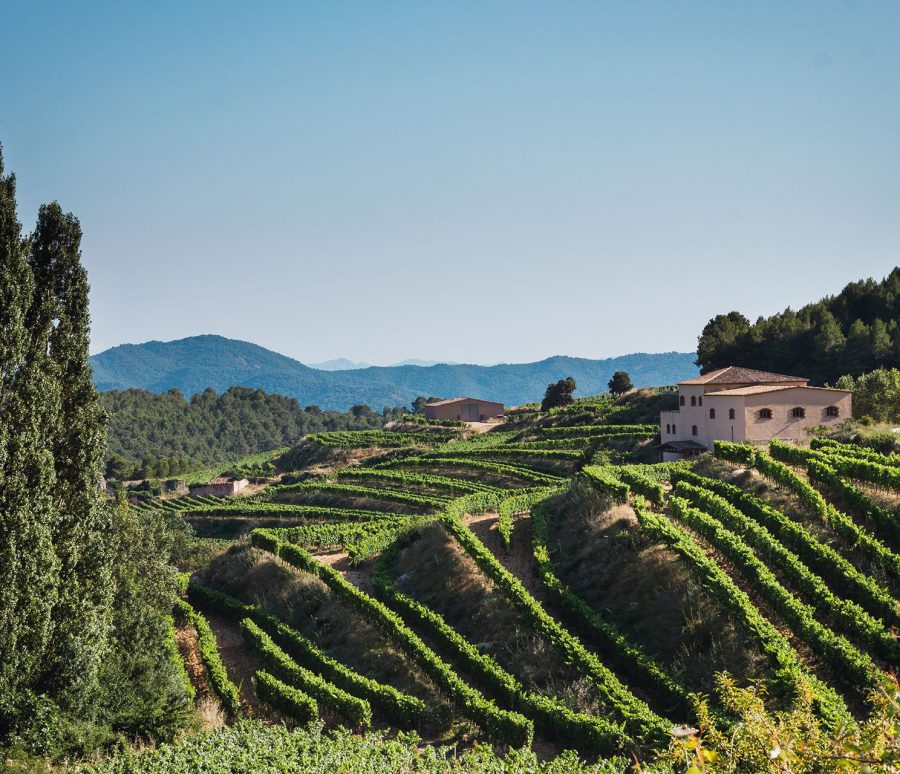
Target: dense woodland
pixel 856 331
pixel 159 435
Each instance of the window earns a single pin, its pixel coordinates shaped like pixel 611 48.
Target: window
pixel 694 430
pixel 700 401
pixel 693 400
pixel 712 413
pixel 681 400
pixel 765 413
pixel 668 429
pixel 832 411
pixel 673 429
pixel 798 413
pixel 731 413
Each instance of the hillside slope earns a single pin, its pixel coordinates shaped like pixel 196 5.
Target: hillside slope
pixel 193 364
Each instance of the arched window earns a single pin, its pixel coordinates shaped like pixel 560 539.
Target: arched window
pixel 712 413
pixel 693 429
pixel 700 401
pixel 673 429
pixel 765 413
pixel 668 429
pixel 681 400
pixel 693 400
pixel 832 411
pixel 731 413
pixel 798 413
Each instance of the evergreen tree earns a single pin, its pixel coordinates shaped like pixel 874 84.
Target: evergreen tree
pixel 559 394
pixel 620 383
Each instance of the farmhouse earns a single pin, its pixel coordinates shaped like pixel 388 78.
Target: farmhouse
pixel 465 409
pixel 742 404
pixel 219 487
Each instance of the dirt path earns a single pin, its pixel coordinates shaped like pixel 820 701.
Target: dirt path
pixel 360 576
pixel 241 662
pixel 519 560
pixel 186 639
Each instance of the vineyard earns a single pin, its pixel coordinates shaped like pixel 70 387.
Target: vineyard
pixel 545 589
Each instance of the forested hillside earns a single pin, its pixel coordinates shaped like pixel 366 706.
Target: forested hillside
pixel 209 428
pixel 856 331
pixel 199 362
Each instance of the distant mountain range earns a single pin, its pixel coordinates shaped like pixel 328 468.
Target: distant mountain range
pixel 343 364
pixel 199 362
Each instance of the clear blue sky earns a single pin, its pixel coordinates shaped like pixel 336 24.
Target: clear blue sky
pixel 472 181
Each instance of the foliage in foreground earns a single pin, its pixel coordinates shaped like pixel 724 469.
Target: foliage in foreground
pixel 250 747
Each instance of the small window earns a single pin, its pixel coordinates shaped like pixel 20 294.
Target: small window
pixel 700 401
pixel 673 429
pixel 712 413
pixel 668 429
pixel 693 400
pixel 731 413
pixel 681 400
pixel 765 413
pixel 694 430
pixel 798 413
pixel 832 411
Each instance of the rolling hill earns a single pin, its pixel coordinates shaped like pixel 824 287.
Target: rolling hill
pixel 196 363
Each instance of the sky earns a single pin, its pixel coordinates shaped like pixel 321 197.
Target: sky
pixel 470 181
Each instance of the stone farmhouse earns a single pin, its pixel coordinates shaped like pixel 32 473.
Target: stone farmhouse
pixel 742 404
pixel 219 487
pixel 464 409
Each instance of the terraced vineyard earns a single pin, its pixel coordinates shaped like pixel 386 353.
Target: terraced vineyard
pixel 541 586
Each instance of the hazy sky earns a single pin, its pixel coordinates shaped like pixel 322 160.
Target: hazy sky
pixel 479 182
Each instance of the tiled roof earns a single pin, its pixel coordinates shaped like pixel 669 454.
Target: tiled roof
pixel 459 400
pixel 738 375
pixel 756 389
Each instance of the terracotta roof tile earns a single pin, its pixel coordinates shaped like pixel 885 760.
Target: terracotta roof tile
pixel 448 401
pixel 738 375
pixel 757 389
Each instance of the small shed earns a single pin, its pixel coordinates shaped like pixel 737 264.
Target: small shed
pixel 463 409
pixel 219 487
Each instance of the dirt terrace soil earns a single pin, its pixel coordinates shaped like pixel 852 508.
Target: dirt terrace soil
pixel 360 576
pixel 519 560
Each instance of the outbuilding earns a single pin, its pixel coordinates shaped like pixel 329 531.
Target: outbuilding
pixel 463 409
pixel 219 487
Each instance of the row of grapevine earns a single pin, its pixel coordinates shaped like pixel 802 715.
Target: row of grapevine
pixel 358 439
pixel 858 538
pixel 516 504
pixel 640 721
pixel 357 711
pixel 216 673
pixel 604 480
pixel 398 707
pixel 626 656
pixel 509 727
pixel 839 573
pixel 293 511
pixel 553 717
pixel 653 490
pixel 486 466
pixel 364 492
pixel 849 663
pixel 588 431
pixel 848 616
pixel 824 467
pixel 789 671
pixel 829 445
pixel 455 485
pixel 290 700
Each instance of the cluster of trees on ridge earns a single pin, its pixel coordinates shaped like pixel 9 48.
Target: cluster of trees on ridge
pixel 159 435
pixel 856 331
pixel 87 587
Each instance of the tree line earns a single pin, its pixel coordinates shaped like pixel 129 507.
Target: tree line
pixel 154 435
pixel 856 331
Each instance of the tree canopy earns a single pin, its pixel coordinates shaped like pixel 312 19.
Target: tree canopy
pixel 620 383
pixel 558 394
pixel 856 331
